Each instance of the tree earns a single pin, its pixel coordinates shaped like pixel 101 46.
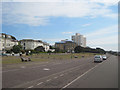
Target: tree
pixel 78 49
pixel 17 48
pixel 8 51
pixel 13 37
pixel 99 50
pixel 40 49
pixel 57 50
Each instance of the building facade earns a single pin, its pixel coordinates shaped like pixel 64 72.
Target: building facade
pixel 66 45
pixel 30 44
pixel 79 39
pixel 7 42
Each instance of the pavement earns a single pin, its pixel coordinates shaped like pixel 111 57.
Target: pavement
pixel 74 73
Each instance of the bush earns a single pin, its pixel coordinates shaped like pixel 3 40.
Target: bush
pixel 8 51
pixel 17 48
pixel 79 49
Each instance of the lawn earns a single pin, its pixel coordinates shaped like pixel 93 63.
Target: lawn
pixel 42 57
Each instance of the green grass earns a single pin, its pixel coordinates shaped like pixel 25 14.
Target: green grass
pixel 17 60
pixel 42 57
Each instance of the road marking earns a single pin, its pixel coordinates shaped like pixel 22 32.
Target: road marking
pixel 23 67
pixel 11 70
pixel 46 69
pixel 39 83
pixel 30 87
pixel 79 77
pixel 61 74
pixel 55 77
pixel 51 75
pixel 48 80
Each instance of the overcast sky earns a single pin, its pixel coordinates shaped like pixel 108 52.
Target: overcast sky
pixel 55 20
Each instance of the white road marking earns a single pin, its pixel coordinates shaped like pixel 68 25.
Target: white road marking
pixel 61 74
pixel 53 74
pixel 39 83
pixel 11 70
pixel 30 87
pixel 55 77
pixel 48 80
pixel 79 77
pixel 46 69
pixel 23 67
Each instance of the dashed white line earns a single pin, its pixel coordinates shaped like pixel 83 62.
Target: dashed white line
pixel 79 77
pixel 46 69
pixel 55 77
pixel 61 74
pixel 30 87
pixel 39 83
pixel 11 70
pixel 48 80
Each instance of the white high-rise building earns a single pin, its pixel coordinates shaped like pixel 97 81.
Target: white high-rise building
pixel 79 39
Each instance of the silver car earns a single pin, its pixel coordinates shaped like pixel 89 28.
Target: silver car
pixel 98 58
pixel 104 57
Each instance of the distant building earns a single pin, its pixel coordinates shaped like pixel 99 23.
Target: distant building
pixel 7 41
pixel 66 45
pixel 46 46
pixel 30 44
pixel 79 39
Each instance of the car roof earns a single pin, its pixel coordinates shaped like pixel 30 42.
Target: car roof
pixel 97 55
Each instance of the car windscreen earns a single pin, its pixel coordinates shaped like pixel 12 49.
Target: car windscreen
pixel 97 56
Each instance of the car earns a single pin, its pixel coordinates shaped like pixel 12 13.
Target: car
pixel 104 57
pixel 98 58
pixel 2 54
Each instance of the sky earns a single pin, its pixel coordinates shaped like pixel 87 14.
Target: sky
pixel 55 20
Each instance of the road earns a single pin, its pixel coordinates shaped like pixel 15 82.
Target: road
pixel 75 73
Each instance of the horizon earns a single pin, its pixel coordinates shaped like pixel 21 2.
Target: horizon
pixel 56 21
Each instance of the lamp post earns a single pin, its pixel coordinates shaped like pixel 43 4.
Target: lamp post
pixel 71 52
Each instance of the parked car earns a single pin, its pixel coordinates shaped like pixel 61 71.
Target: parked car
pixel 2 54
pixel 104 57
pixel 98 58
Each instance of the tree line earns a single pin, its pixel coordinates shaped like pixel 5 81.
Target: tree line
pixel 79 49
pixel 39 49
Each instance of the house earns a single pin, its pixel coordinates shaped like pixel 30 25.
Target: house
pixel 66 45
pixel 7 42
pixel 30 44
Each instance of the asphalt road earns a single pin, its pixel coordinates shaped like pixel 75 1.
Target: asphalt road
pixel 83 73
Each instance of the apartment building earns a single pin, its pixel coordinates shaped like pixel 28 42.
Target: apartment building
pixel 79 39
pixel 7 41
pixel 30 44
pixel 66 45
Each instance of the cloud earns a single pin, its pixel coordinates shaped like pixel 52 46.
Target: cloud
pixel 103 41
pixel 108 43
pixel 104 31
pixel 36 14
pixel 86 25
pixel 67 32
pixel 106 38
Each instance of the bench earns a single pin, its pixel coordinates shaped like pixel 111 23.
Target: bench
pixel 25 59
